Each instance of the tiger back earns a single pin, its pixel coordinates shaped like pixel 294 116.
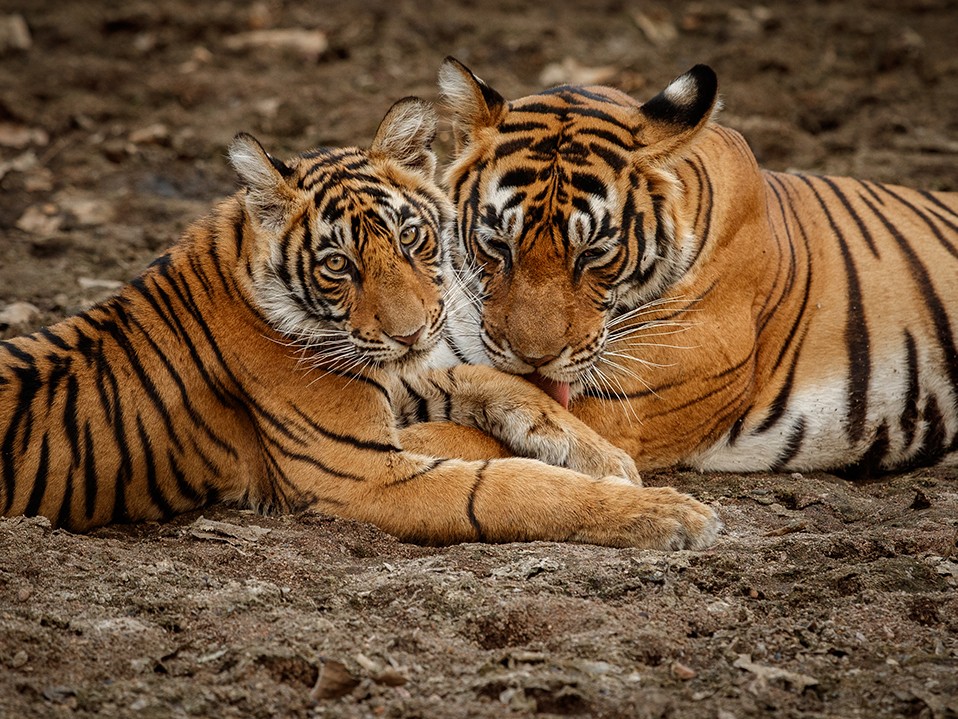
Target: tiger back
pixel 262 362
pixel 635 262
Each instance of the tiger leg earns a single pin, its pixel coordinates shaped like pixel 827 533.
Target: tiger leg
pixel 521 417
pixel 438 501
pixel 448 439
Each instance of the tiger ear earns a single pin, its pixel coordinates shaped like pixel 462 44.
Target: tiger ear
pixel 269 197
pixel 675 115
pixel 405 136
pixel 472 104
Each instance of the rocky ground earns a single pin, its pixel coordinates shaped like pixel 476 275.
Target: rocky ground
pixel 823 598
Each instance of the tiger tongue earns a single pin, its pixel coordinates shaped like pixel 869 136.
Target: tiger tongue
pixel 559 391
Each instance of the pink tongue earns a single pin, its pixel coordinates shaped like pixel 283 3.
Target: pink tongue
pixel 559 391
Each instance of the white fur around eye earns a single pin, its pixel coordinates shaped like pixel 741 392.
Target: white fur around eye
pixel 580 229
pixel 511 220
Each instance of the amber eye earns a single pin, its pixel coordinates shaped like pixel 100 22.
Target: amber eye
pixel 409 236
pixel 336 264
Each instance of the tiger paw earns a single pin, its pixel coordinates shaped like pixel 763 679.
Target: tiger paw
pixel 564 441
pixel 599 458
pixel 652 518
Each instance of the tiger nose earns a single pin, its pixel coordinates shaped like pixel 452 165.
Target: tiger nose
pixel 408 340
pixel 538 361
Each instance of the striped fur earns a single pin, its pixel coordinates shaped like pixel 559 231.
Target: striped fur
pixel 262 362
pixel 706 313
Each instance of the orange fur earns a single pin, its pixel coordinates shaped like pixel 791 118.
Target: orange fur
pixel 706 313
pixel 263 361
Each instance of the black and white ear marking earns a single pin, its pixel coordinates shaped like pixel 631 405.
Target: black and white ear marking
pixel 471 103
pixel 670 118
pixel 687 99
pixel 405 135
pixel 269 197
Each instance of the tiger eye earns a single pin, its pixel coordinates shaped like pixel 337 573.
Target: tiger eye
pixel 409 236
pixel 335 263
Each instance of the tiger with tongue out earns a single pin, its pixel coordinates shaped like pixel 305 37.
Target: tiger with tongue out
pixel 696 309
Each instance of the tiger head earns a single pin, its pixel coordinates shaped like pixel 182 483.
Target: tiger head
pixel 346 258
pixel 567 214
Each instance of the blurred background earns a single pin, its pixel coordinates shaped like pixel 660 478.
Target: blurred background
pixel 114 116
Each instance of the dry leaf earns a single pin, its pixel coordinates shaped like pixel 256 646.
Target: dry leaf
pixel 204 528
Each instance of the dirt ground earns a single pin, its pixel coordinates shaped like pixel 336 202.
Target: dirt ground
pixel 823 598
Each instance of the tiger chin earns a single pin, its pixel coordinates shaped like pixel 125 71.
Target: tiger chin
pixel 272 357
pixel 635 262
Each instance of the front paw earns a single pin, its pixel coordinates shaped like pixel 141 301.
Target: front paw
pixel 653 518
pixel 597 457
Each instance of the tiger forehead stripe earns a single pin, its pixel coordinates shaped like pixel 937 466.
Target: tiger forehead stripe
pixel 329 163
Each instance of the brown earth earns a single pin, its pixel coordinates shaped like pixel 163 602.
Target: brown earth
pixel 823 598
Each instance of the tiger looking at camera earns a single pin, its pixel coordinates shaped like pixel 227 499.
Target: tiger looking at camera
pixel 262 362
pixel 634 261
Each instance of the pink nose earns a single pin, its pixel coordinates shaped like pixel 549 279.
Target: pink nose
pixel 408 340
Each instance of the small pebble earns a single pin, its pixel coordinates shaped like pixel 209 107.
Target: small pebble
pixel 683 672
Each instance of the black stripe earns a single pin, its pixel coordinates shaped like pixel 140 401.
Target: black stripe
pixel 150 295
pixel 153 487
pixel 346 438
pixel 54 338
pixel 612 158
pixel 122 339
pixel 195 418
pixel 920 213
pixel 862 229
pixel 183 486
pixel 511 146
pixel 433 464
pixel 28 379
pixel 422 406
pixel 930 196
pixel 800 316
pixel 507 128
pixel 857 342
pixel 446 412
pixel 185 296
pixel 616 141
pixel 70 424
pixel 588 183
pixel 909 414
pixel 705 205
pixel 312 461
pixel 90 483
pixel 239 230
pixel 66 504
pixel 780 403
pixel 869 465
pixel 936 308
pixel 933 444
pixel 208 463
pixel 792 446
pixel 39 479
pixel 729 373
pixel 120 514
pixel 199 271
pixel 518 177
pixel 471 506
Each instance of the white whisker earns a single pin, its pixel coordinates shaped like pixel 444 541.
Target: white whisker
pixel 640 360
